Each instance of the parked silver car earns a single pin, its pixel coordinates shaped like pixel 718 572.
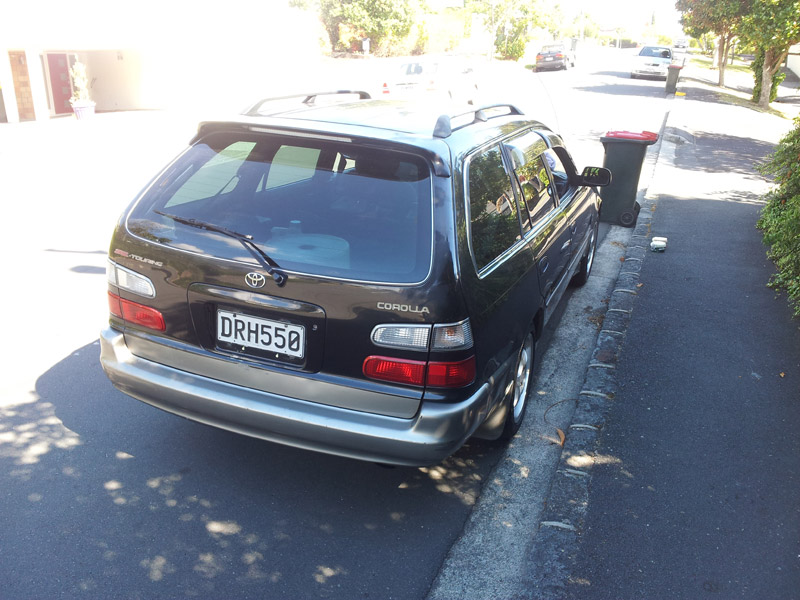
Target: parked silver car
pixel 652 61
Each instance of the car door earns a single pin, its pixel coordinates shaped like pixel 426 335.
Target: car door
pixel 569 196
pixel 501 291
pixel 549 231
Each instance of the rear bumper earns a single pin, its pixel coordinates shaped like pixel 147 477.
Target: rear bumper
pixel 436 432
pixel 551 64
pixel 650 72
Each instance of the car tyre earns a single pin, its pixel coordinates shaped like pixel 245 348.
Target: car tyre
pixel 522 388
pixel 585 268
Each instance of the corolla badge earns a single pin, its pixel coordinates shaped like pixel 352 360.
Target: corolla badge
pixel 403 308
pixel 255 280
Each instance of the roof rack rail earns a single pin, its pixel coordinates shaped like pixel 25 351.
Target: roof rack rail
pixel 308 99
pixel 444 125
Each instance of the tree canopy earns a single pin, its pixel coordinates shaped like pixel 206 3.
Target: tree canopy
pixel 772 26
pixel 510 22
pixel 720 17
pixel 378 20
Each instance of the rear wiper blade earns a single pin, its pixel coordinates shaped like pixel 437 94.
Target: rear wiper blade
pixel 246 240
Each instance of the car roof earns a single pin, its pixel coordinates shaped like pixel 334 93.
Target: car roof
pixel 398 121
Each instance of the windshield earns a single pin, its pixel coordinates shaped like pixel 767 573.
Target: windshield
pixel 329 208
pixel 553 49
pixel 654 52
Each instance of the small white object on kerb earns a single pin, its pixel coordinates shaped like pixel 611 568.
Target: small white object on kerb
pixel 658 244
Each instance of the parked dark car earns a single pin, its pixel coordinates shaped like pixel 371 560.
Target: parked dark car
pixel 363 278
pixel 553 57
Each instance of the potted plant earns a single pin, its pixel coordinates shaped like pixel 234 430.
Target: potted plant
pixel 81 103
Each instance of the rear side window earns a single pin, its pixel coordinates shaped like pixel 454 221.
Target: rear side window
pixel 324 208
pixel 527 154
pixel 292 164
pixel 213 177
pixel 494 222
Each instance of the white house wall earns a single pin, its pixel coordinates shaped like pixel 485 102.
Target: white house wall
pixel 114 79
pixel 156 54
pixel 793 62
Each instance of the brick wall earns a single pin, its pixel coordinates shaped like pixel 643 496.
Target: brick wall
pixel 22 85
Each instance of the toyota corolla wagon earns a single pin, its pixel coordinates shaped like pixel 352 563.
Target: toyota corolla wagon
pixel 360 277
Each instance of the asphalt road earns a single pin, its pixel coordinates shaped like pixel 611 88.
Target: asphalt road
pixel 104 497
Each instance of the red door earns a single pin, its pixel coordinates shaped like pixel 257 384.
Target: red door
pixel 60 85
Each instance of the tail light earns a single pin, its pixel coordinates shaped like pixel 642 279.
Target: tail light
pixel 411 372
pixel 422 338
pixel 135 313
pixel 451 374
pixel 385 89
pixel 130 281
pixel 439 374
pixel 130 311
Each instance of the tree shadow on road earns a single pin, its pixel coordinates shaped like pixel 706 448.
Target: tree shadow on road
pixel 722 153
pixel 103 493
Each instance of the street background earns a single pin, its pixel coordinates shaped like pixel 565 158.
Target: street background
pixel 105 497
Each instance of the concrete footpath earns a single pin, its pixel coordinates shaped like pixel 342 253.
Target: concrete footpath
pixel 688 484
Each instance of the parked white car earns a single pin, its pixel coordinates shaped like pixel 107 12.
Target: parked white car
pixel 445 78
pixel 652 61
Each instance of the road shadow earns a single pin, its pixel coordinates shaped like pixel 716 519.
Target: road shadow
pixel 105 496
pixel 714 152
pixel 627 87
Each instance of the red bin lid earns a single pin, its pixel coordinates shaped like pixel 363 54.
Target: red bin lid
pixel 644 136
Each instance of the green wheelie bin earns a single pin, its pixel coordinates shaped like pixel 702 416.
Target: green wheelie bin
pixel 624 156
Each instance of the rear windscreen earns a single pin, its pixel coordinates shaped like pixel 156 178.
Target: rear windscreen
pixel 325 208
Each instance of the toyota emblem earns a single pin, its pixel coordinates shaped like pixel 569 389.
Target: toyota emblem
pixel 255 280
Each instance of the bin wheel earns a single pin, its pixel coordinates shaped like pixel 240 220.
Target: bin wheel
pixel 627 218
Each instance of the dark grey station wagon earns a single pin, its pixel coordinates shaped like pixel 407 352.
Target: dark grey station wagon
pixel 359 277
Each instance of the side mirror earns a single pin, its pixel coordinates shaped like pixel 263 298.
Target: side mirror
pixel 596 176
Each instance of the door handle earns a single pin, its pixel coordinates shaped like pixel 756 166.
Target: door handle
pixel 543 265
pixel 573 228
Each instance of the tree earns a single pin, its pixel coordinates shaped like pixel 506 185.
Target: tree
pixel 378 20
pixel 772 26
pixel 720 17
pixel 510 21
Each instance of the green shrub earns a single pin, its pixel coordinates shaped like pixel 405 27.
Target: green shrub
pixel 780 218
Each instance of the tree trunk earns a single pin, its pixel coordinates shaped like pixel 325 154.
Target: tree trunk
pixel 772 64
pixel 724 47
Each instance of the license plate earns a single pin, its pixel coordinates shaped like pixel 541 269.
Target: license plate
pixel 261 334
pixel 548 58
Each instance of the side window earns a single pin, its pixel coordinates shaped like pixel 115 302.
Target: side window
pixel 292 164
pixel 494 222
pixel 217 176
pixel 527 152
